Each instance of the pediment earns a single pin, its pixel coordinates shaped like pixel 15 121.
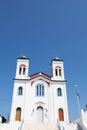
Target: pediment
pixel 40 76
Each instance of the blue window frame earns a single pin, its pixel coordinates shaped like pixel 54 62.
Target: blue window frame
pixel 20 91
pixel 59 92
pixel 39 90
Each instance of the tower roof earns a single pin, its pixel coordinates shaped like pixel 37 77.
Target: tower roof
pixel 23 57
pixel 56 59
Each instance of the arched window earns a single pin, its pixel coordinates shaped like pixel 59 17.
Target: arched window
pixel 40 90
pixel 59 92
pixel 18 114
pixel 20 70
pixel 58 71
pixel 20 91
pixel 40 114
pixel 23 70
pixel 61 114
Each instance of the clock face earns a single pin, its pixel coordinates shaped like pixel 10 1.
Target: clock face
pixel 40 89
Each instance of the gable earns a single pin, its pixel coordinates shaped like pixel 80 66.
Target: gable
pixel 40 77
pixel 40 74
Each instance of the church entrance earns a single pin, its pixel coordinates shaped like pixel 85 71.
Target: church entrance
pixel 40 114
pixel 18 114
pixel 61 115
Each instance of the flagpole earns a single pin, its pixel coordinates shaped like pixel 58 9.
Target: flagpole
pixel 78 100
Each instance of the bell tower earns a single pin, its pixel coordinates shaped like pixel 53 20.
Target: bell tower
pixel 59 86
pixel 22 68
pixel 57 69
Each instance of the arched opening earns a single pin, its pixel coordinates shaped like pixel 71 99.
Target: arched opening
pixel 24 71
pixel 59 92
pixel 61 114
pixel 20 70
pixel 60 72
pixel 18 114
pixel 20 91
pixel 40 90
pixel 56 72
pixel 40 114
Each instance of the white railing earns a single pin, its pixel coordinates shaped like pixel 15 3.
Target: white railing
pixel 20 127
pixel 60 127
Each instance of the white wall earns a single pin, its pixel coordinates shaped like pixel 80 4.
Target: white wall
pixel 84 117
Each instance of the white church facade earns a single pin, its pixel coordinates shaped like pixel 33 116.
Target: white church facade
pixel 39 98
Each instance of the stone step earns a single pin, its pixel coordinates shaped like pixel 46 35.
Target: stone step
pixel 13 126
pixel 39 126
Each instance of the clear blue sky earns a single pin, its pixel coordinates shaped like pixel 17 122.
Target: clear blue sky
pixel 42 30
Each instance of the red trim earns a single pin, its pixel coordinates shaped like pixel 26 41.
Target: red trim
pixel 23 65
pixel 40 79
pixel 48 84
pixel 58 67
pixel 40 73
pixel 32 83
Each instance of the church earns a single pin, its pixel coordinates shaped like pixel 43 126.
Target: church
pixel 39 98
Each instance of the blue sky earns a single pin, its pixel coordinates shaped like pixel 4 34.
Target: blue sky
pixel 42 30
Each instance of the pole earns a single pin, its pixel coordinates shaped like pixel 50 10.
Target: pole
pixel 78 100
